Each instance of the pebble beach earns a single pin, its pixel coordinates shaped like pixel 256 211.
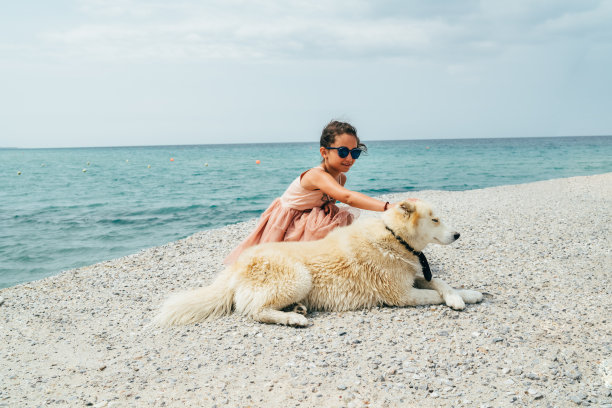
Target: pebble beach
pixel 542 337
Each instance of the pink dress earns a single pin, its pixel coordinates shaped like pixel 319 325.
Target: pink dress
pixel 297 215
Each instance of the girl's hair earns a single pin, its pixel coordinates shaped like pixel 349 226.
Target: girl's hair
pixel 336 128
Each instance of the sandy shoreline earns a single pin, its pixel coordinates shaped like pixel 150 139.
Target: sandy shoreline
pixel 542 336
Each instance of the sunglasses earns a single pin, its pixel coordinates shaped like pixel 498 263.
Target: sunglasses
pixel 344 151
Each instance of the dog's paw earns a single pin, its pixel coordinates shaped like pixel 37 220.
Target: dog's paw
pixel 297 320
pixel 470 296
pixel 455 301
pixel 300 309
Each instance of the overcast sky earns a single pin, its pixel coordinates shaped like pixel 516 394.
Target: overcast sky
pixel 132 72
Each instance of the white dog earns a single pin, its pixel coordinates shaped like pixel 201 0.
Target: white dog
pixel 376 261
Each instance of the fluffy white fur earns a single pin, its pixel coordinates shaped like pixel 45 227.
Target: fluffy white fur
pixel 358 266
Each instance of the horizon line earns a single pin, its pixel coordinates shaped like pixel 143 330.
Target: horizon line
pixel 295 142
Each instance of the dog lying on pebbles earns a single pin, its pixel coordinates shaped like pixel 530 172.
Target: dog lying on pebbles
pixel 373 262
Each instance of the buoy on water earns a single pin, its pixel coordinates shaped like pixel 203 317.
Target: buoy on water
pixel 172 159
pixel 88 163
pixel 19 173
pixel 206 164
pixel 149 166
pixel 84 170
pixel 257 162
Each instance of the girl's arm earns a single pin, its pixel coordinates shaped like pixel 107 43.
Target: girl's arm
pixel 325 182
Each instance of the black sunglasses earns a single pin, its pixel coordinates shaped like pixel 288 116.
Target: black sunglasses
pixel 343 151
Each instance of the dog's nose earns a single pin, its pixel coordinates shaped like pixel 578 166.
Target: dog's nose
pixel 457 235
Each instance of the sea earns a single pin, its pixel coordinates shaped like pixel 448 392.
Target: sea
pixel 70 207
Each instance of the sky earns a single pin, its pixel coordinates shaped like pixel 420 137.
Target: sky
pixel 80 73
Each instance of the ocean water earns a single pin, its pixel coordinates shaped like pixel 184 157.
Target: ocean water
pixel 65 208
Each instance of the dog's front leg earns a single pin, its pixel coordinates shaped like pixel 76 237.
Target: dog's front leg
pixel 419 297
pixel 450 295
pixel 453 298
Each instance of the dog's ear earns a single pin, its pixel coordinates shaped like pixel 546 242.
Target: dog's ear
pixel 408 207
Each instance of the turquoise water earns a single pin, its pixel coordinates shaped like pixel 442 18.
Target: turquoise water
pixel 55 216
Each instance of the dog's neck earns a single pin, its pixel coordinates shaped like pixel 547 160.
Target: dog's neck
pixel 412 240
pixel 402 241
pixel 420 255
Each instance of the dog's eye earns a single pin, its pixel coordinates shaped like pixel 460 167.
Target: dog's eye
pixel 435 220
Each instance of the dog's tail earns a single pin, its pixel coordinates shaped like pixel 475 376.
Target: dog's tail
pixel 199 304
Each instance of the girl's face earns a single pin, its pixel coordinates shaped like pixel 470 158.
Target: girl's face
pixel 331 158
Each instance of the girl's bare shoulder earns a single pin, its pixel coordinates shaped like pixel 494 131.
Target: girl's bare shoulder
pixel 312 178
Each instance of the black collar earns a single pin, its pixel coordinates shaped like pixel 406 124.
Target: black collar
pixel 422 259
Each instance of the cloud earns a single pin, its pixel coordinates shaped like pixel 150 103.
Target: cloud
pixel 289 30
pixel 588 23
pixel 270 31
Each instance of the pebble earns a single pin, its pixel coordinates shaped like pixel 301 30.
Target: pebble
pixel 576 399
pixel 535 393
pixel 574 374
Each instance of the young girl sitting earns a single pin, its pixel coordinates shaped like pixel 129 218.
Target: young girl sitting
pixel 306 211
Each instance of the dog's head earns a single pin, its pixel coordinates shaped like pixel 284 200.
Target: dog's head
pixel 416 222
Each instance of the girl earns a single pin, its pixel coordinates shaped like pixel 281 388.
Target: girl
pixel 306 211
